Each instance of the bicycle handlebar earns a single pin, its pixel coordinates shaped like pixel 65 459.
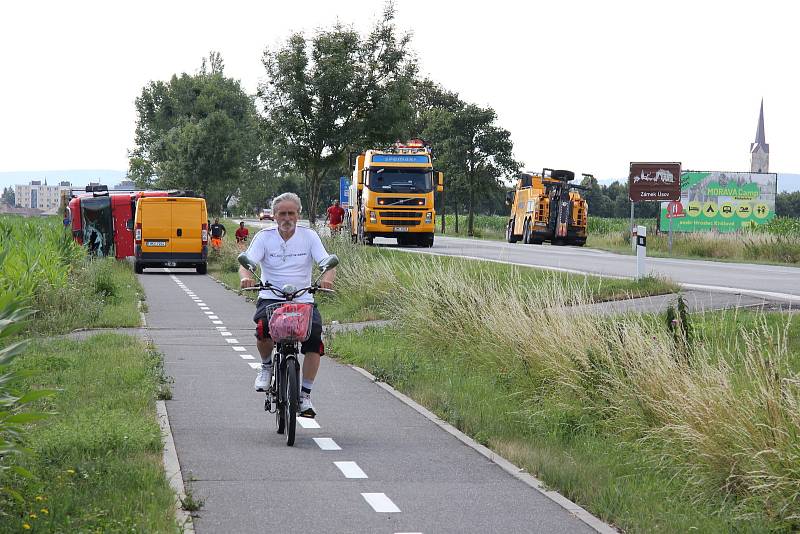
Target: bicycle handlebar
pixel 278 292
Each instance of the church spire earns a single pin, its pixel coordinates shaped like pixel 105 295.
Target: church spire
pixel 759 150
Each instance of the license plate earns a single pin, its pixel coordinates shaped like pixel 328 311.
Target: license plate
pixel 401 228
pixel 156 243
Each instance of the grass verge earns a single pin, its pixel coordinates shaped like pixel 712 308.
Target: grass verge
pixel 368 277
pixel 571 441
pixel 96 463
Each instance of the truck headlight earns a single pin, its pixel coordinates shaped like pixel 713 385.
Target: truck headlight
pixel 428 217
pixel 372 217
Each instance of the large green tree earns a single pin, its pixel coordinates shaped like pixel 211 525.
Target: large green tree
pixel 334 93
pixel 196 132
pixel 473 150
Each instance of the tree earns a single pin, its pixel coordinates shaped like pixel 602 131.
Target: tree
pixel 788 204
pixel 475 151
pixel 335 92
pixel 8 196
pixel 196 132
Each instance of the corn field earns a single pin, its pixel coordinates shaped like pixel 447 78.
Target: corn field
pixel 34 252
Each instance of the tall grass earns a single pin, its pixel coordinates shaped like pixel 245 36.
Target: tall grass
pixel 34 252
pixel 724 418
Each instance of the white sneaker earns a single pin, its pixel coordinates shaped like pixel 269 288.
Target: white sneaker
pixel 306 408
pixel 264 377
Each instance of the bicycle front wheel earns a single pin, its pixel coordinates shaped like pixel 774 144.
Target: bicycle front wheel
pixel 292 398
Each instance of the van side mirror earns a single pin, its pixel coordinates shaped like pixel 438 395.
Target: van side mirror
pixel 439 181
pixel 328 263
pixel 245 262
pixel 129 225
pixel 509 198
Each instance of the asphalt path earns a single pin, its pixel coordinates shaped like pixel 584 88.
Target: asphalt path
pixel 370 464
pixel 769 281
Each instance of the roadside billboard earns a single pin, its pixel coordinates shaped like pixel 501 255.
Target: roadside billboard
pixel 721 201
pixel 654 181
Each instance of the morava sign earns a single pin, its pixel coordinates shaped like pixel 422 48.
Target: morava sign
pixel 654 181
pixel 722 202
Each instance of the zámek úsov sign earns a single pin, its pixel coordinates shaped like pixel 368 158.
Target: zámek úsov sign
pixel 654 181
pixel 721 201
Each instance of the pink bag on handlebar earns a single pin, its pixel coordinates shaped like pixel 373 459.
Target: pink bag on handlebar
pixel 291 322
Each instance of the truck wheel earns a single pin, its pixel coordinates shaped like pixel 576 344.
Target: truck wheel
pixel 425 241
pixel 510 237
pixel 202 268
pixel 138 268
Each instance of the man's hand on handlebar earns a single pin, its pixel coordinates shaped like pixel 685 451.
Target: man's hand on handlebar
pixel 247 282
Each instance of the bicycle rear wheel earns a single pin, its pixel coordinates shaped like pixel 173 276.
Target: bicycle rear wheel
pixel 292 399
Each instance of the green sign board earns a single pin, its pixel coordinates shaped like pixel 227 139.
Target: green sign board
pixel 721 202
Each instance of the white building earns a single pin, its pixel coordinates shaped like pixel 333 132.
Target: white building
pixel 44 197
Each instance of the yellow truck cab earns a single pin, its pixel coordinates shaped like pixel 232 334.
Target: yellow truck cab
pixel 547 207
pixel 171 231
pixel 391 194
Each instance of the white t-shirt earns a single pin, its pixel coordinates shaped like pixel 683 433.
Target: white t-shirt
pixel 286 262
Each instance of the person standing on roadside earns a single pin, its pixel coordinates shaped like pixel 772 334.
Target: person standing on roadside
pixel 334 217
pixel 217 233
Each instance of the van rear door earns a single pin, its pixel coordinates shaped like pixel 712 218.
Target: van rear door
pixel 156 218
pixel 188 216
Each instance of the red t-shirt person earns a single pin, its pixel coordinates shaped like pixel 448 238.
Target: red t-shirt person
pixel 335 214
pixel 241 234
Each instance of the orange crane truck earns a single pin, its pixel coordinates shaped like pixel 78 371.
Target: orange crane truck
pixel 547 207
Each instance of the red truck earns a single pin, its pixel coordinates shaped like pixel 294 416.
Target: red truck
pixel 103 219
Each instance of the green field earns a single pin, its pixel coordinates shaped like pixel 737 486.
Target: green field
pixel 93 463
pixel 653 431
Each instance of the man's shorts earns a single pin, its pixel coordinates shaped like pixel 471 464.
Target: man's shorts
pixel 314 341
pixel 216 242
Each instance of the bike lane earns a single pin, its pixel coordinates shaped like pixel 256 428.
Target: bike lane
pixel 371 464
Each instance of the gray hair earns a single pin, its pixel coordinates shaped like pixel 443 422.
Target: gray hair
pixel 287 196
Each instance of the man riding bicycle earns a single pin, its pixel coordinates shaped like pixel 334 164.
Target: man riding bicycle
pixel 285 255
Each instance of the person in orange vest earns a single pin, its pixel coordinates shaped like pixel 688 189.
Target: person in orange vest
pixel 217 233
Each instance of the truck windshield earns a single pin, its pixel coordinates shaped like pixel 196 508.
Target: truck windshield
pixel 400 180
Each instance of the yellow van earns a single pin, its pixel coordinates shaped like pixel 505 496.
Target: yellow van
pixel 171 232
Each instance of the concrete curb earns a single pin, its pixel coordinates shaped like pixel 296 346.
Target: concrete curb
pixel 172 469
pixel 169 457
pixel 513 470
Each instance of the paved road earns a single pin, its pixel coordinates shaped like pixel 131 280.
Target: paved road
pixel 773 282
pixel 408 475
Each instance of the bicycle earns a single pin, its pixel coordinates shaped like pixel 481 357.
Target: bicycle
pixel 287 335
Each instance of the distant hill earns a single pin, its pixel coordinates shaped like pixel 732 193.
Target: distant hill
pixel 77 177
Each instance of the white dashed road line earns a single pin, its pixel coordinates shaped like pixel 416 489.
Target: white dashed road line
pixel 327 444
pixel 247 357
pixel 255 365
pixel 350 469
pixel 232 340
pixel 239 349
pixel 380 503
pixel 307 422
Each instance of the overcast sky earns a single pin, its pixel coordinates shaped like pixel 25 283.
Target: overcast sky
pixel 587 86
